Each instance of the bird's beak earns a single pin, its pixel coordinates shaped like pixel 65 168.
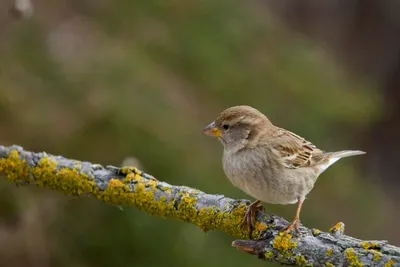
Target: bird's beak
pixel 211 130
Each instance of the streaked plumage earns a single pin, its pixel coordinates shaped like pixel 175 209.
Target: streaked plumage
pixel 269 163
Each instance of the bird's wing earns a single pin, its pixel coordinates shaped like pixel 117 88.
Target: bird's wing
pixel 294 151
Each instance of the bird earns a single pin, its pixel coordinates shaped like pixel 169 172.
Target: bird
pixel 268 163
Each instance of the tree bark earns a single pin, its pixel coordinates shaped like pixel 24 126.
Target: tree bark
pixel 132 187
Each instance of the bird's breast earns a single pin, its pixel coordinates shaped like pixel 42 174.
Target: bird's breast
pixel 255 172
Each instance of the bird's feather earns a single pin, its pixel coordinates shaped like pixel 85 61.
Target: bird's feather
pixel 294 151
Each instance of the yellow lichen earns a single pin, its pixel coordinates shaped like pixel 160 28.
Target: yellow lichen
pixel 337 228
pixel 377 255
pixel 352 258
pixel 209 218
pixel 188 203
pixel 260 227
pixel 301 261
pixel 284 244
pixel 44 173
pixel 389 263
pixel 370 245
pixel 13 167
pixel 128 170
pixel 329 252
pixel 130 177
pixel 328 264
pixel 115 192
pixel 185 208
pixel 71 181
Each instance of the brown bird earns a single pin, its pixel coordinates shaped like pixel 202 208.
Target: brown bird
pixel 269 163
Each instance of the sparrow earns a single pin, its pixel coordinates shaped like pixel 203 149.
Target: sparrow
pixel 271 164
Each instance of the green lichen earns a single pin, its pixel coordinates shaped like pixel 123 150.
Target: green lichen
pixel 328 264
pixel 269 255
pixel 352 258
pixel 389 263
pixel 329 252
pixel 181 205
pixel 316 232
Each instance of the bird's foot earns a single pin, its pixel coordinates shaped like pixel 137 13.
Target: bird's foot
pixel 249 218
pixel 293 225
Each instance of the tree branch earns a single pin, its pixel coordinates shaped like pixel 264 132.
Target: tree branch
pixel 132 187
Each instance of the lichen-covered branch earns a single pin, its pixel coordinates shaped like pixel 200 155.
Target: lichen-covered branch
pixel 130 186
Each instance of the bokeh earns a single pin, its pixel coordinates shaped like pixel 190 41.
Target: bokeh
pixel 134 82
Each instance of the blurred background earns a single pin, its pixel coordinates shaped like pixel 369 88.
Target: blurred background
pixel 134 82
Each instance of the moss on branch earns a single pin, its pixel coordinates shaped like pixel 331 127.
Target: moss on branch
pixel 129 186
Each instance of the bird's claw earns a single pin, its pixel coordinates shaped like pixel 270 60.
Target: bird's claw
pixel 249 218
pixel 293 225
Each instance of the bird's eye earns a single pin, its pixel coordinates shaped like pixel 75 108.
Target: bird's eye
pixel 225 126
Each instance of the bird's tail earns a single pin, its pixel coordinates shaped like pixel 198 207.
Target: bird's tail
pixel 332 157
pixel 345 153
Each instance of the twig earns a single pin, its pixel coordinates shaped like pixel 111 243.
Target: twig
pixel 132 187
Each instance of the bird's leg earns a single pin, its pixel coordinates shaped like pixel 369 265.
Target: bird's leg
pixel 249 218
pixel 296 221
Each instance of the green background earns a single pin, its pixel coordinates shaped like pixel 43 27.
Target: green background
pixel 116 82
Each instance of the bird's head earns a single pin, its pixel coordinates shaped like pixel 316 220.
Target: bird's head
pixel 237 127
